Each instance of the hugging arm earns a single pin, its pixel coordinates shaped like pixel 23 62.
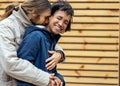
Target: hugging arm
pixel 17 67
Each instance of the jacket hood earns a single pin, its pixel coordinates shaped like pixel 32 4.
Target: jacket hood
pixel 32 28
pixel 22 17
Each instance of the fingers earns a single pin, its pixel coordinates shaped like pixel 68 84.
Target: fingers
pixel 50 59
pixel 51 82
pixel 52 76
pixel 53 60
pixel 54 56
pixel 54 81
pixel 50 65
pixel 61 84
pixel 58 82
pixel 51 52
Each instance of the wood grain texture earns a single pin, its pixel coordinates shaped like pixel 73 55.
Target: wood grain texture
pixel 92 45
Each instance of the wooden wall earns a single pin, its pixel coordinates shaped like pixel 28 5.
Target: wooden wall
pixel 92 47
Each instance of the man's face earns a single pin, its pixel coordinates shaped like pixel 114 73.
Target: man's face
pixel 58 22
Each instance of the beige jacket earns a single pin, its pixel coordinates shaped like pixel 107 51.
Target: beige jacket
pixel 11 33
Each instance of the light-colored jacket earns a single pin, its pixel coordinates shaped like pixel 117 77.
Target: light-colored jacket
pixel 11 33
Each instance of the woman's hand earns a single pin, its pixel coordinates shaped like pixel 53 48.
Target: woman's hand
pixel 51 82
pixel 54 81
pixel 53 60
pixel 58 82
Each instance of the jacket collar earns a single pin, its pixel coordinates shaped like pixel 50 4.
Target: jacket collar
pixel 51 36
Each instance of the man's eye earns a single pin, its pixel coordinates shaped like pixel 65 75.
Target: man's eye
pixel 66 22
pixel 59 18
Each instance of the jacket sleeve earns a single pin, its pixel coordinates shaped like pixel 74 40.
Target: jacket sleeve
pixel 16 67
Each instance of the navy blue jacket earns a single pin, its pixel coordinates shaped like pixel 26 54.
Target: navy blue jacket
pixel 34 48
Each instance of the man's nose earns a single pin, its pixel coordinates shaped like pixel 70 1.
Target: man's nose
pixel 60 23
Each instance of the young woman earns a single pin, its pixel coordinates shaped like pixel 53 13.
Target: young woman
pixel 38 40
pixel 12 29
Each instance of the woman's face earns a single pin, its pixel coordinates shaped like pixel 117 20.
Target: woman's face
pixel 41 19
pixel 58 22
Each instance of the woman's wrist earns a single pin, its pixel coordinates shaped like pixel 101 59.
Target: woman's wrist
pixel 62 55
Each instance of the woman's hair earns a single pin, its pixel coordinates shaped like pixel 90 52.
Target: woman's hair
pixel 8 10
pixel 38 6
pixel 63 6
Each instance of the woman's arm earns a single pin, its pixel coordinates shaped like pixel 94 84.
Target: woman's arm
pixel 16 67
